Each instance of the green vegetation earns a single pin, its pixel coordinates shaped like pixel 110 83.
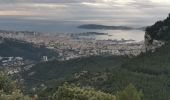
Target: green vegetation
pixel 64 92
pixel 15 95
pixel 149 72
pixel 71 92
pixel 9 90
pixel 12 47
pixel 129 93
pixel 75 92
pixel 56 72
pixel 6 85
pixel 160 30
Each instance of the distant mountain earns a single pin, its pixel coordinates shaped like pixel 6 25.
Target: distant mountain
pixel 104 27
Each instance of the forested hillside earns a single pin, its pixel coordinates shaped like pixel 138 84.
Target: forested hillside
pixel 9 90
pixel 160 30
pixel 12 47
pixel 60 71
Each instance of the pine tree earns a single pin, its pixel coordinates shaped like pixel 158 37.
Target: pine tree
pixel 129 93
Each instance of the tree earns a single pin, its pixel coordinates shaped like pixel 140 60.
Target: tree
pixel 129 93
pixel 8 89
pixel 72 92
pixel 15 95
pixel 6 85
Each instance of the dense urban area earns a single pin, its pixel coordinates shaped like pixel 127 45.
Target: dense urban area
pixel 71 46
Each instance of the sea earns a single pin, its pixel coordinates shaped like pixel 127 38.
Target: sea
pixel 54 27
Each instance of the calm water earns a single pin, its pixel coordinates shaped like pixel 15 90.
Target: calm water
pixel 70 27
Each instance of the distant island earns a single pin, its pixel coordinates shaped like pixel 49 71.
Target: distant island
pixel 104 27
pixel 90 33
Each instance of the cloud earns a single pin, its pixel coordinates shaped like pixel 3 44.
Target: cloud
pixel 85 10
pixel 16 13
pixel 66 1
pixel 45 5
pixel 98 5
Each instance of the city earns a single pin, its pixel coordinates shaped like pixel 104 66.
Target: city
pixel 71 46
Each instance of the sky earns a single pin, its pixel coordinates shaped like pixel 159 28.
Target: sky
pixel 109 12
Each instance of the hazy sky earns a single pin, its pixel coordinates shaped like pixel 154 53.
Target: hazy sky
pixel 111 11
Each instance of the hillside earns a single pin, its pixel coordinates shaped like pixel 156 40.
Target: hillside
pixel 149 71
pixel 60 71
pixel 10 91
pixel 160 30
pixel 12 47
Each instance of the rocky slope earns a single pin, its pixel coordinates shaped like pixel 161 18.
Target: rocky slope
pixel 157 34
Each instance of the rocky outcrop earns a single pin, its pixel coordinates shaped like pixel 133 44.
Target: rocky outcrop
pixel 151 44
pixel 157 34
pixel 148 42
